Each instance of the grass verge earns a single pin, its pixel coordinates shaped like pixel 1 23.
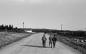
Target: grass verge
pixel 68 42
pixel 7 38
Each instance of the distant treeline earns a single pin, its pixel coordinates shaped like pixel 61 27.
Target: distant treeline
pixel 10 28
pixel 63 32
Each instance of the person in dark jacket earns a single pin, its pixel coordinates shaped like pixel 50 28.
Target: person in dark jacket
pixel 54 39
pixel 44 40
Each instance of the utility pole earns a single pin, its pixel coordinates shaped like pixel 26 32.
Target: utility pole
pixel 23 24
pixel 61 27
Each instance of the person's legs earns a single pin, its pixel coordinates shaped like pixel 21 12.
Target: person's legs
pixel 49 43
pixel 53 44
pixel 43 43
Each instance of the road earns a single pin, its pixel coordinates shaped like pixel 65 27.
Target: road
pixel 32 45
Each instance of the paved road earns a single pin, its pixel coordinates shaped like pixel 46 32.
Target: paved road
pixel 32 45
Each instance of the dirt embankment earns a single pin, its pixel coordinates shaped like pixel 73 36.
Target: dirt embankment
pixel 7 38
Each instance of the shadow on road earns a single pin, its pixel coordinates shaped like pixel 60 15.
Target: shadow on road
pixel 35 46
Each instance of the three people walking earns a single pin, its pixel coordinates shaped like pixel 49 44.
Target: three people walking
pixel 52 40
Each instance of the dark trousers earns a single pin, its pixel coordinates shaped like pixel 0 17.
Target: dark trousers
pixel 44 43
pixel 54 43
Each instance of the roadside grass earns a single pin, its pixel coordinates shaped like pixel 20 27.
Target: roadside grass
pixel 68 42
pixel 7 38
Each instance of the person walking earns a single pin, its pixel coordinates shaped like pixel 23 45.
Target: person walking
pixel 50 41
pixel 44 40
pixel 54 39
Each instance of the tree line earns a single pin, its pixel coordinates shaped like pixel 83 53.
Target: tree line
pixel 10 28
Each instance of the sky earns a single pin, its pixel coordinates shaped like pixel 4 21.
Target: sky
pixel 44 13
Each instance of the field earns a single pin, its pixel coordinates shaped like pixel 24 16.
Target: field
pixel 7 38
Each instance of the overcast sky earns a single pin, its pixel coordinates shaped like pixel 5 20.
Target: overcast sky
pixel 44 13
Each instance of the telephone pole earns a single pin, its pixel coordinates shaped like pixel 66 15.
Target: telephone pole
pixel 23 24
pixel 61 27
